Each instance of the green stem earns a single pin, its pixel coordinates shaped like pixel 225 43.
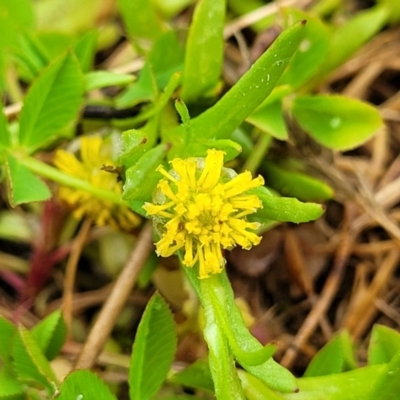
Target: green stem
pixel 222 364
pixel 258 154
pixel 49 172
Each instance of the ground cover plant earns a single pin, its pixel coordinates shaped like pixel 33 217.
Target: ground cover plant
pixel 199 199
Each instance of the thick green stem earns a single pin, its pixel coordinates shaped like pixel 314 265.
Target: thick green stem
pixel 49 172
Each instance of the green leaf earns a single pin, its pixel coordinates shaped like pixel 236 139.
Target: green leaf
pixel 250 91
pixel 84 50
pixel 84 385
pixel 196 375
pixel 31 55
pixel 312 49
pixel 285 209
pixel 140 20
pixel 383 345
pixel 269 119
pixel 336 356
pixel 153 350
pixel 50 334
pixel 351 385
pixel 142 178
pixel 336 122
pixel 164 60
pixel 52 102
pixel 204 49
pixel 344 43
pixel 29 362
pixel 388 383
pixel 100 79
pixel 23 186
pixel 296 184
pixel 7 331
pixel 10 387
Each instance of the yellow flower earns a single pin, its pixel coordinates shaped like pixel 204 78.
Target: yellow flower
pixel 202 207
pixel 93 157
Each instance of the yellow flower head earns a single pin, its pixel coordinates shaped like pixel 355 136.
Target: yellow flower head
pixel 93 156
pixel 202 207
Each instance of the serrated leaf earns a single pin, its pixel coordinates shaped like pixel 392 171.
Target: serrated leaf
pixel 153 350
pixel 23 186
pixel 7 331
pixel 5 136
pixel 204 49
pixel 29 362
pixel 250 91
pixel 50 334
pixel 285 209
pixel 336 122
pixel 383 345
pixel 296 184
pixel 84 385
pixel 100 79
pixel 52 102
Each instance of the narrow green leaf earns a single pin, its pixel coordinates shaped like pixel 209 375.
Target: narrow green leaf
pixel 23 186
pixel 251 90
pixel 84 385
pixel 100 79
pixel 140 20
pixel 285 209
pixel 30 363
pixel 351 385
pixel 52 102
pixel 383 345
pixel 336 122
pixel 204 49
pixel 7 331
pixel 50 334
pixel 296 184
pixel 343 42
pixel 153 350
pixel 142 178
pixel 312 49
